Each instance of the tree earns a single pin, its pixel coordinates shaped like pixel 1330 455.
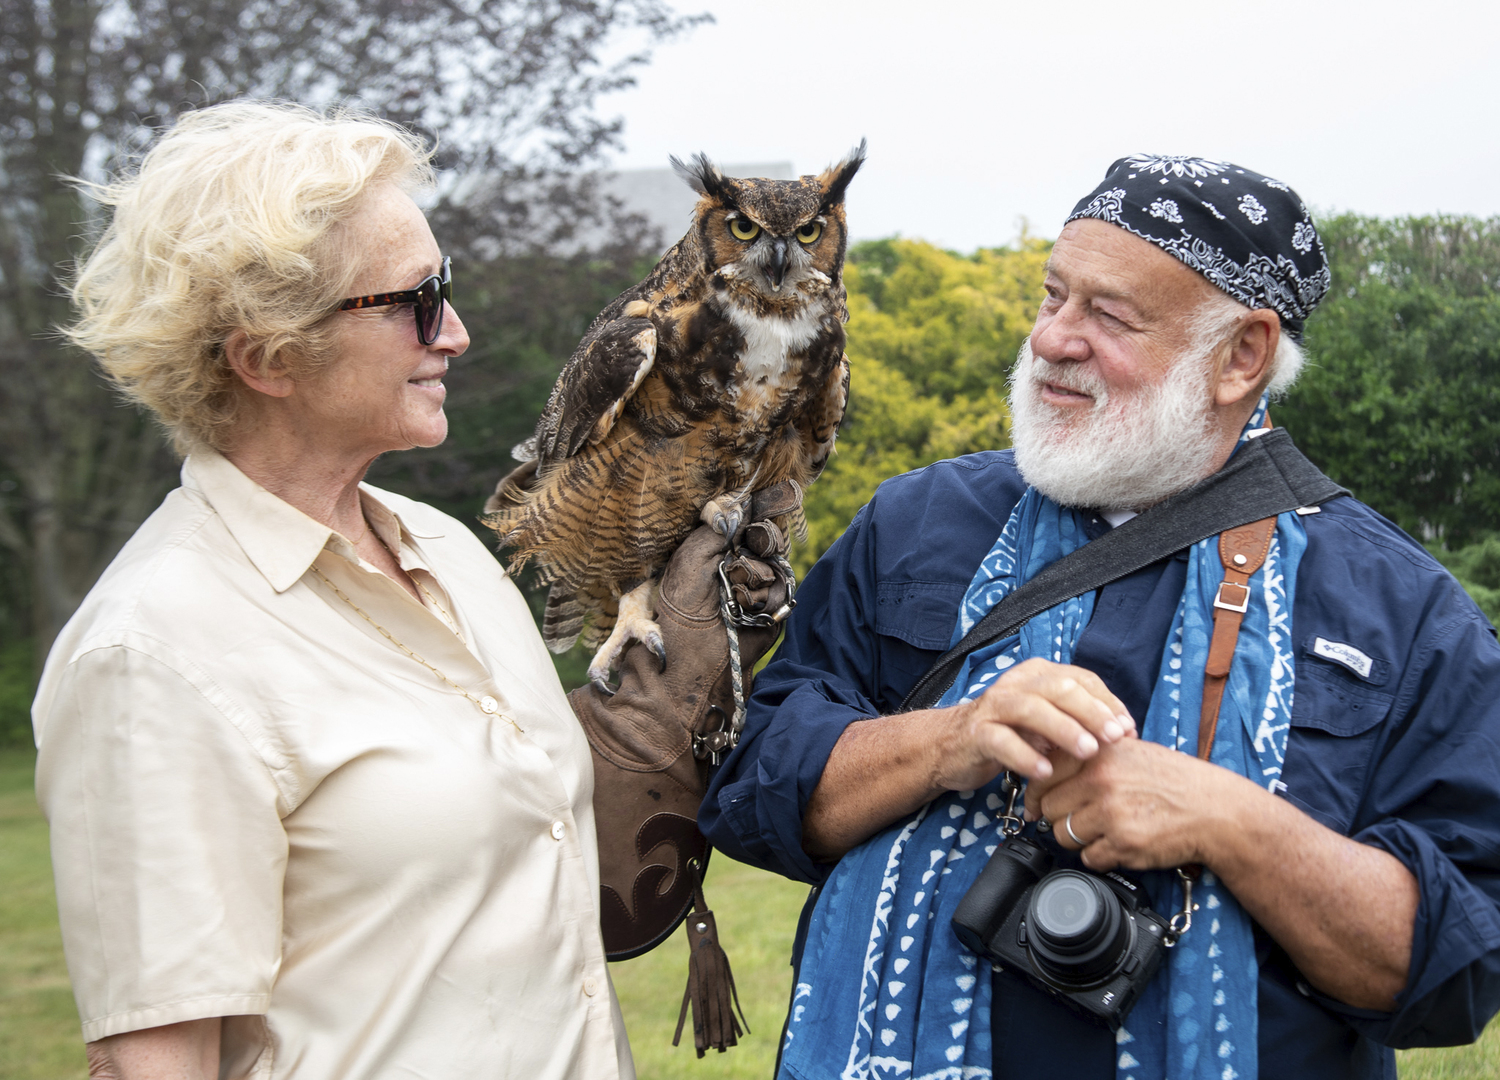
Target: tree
pixel 1477 567
pixel 1400 401
pixel 932 337
pixel 510 86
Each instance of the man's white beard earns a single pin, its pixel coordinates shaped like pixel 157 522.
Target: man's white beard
pixel 1121 454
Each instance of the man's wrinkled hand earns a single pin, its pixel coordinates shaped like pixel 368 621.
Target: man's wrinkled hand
pixel 1138 804
pixel 1035 708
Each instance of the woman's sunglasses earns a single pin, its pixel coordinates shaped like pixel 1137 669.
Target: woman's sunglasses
pixel 427 301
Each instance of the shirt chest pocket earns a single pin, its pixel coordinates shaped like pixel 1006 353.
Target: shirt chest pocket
pixel 1336 727
pixel 920 613
pixel 913 622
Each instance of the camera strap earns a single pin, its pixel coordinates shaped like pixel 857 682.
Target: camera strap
pixel 1266 477
pixel 1242 550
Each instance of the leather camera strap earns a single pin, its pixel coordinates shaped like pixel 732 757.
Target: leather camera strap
pixel 1242 551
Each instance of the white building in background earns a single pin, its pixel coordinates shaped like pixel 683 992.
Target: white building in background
pixel 664 200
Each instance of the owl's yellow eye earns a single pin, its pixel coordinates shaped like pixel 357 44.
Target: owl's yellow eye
pixel 743 229
pixel 809 233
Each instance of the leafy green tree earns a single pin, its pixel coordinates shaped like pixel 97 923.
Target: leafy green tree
pixel 932 336
pixel 1477 567
pixel 1400 401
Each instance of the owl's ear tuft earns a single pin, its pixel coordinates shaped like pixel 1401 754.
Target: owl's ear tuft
pixel 702 175
pixel 835 178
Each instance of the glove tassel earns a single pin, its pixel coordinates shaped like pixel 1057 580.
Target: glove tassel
pixel 710 993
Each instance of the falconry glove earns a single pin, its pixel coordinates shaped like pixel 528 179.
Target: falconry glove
pixel 654 738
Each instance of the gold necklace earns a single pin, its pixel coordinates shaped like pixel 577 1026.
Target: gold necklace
pixel 447 615
pixel 433 600
pixel 487 704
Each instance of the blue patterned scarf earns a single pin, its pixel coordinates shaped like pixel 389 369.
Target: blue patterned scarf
pixel 886 992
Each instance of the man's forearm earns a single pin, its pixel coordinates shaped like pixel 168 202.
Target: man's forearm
pixel 884 768
pixel 1344 911
pixel 880 769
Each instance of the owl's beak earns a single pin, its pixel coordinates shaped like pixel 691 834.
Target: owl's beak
pixel 777 270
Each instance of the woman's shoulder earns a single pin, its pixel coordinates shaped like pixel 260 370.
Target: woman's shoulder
pixel 165 599
pixel 168 556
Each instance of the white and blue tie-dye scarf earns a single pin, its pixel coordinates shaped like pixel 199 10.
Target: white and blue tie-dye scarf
pixel 886 992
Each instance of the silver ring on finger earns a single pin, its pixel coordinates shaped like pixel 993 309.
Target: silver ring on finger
pixel 1068 825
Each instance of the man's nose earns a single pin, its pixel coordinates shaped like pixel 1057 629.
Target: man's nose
pixel 1059 337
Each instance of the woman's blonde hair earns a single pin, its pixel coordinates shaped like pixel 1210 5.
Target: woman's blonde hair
pixel 231 223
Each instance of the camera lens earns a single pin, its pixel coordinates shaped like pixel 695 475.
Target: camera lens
pixel 1068 911
pixel 1078 932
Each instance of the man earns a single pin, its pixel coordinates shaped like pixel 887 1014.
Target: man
pixel 1347 818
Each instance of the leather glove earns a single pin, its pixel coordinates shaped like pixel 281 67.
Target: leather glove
pixel 648 781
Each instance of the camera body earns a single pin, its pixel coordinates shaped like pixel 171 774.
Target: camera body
pixel 1089 940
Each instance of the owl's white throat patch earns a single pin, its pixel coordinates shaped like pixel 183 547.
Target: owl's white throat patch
pixel 770 339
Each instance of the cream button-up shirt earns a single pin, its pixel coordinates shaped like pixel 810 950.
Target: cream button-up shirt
pixel 262 808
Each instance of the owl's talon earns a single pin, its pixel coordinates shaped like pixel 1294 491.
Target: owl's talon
pixel 633 623
pixel 726 513
pixel 654 643
pixel 727 525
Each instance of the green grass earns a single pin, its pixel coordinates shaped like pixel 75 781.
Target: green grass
pixel 17 686
pixel 39 1035
pixel 756 913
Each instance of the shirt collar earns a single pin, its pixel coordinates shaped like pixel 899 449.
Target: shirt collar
pixel 278 538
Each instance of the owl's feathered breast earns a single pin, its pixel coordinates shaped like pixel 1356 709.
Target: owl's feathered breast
pixel 740 373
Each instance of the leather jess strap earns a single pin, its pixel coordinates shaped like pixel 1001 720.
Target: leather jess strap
pixel 1242 551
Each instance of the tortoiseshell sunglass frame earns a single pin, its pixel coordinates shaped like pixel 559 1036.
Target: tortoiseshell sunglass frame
pixel 433 293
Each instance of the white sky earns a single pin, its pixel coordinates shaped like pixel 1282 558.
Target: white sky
pixel 981 113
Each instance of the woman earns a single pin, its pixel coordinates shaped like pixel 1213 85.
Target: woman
pixel 319 806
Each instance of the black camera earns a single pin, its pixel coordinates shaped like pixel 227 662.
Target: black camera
pixel 1090 940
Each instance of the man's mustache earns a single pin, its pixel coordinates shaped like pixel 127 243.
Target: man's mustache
pixel 1036 373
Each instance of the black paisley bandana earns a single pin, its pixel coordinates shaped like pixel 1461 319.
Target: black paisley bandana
pixel 1246 233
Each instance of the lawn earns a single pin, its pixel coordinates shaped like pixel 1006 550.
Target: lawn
pixel 756 912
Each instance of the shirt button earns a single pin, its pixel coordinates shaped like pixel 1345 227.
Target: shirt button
pixel 590 986
pixel 558 829
pixel 489 705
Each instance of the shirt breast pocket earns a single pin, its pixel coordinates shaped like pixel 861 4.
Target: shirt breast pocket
pixel 1336 727
pixel 920 613
pixel 913 622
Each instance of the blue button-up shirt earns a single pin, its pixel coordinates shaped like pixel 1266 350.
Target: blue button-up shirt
pixel 1395 742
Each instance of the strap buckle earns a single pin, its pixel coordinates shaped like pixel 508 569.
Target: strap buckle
pixel 1232 601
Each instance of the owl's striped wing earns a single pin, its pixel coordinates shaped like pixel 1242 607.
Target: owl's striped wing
pixel 820 423
pixel 608 366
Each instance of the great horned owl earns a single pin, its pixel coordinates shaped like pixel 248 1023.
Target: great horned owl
pixel 720 374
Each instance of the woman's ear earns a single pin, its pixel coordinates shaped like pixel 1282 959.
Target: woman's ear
pixel 249 362
pixel 1248 366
